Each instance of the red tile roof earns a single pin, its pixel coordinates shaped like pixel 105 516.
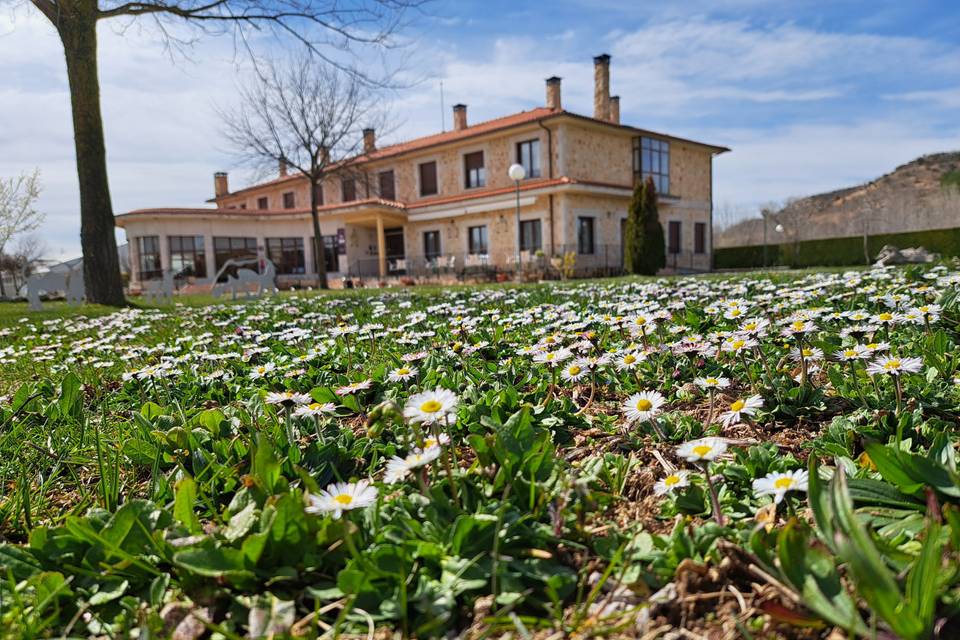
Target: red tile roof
pixel 528 185
pixel 488 126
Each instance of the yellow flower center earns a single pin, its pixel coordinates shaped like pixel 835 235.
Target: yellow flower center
pixel 736 406
pixel 872 346
pixel 431 406
pixel 641 321
pixel 738 344
pixel 644 405
pixel 807 352
pixel 850 353
pixel 783 483
pixel 891 364
pixel 886 316
pixel 574 370
pixel 629 359
pixel 702 449
pixel 671 480
pixel 261 369
pixel 712 381
pixel 402 371
pixel 750 326
pixel 344 499
pixel 798 325
pixel 735 312
pixel 315 405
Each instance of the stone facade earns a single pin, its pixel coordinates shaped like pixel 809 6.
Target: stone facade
pixel 583 183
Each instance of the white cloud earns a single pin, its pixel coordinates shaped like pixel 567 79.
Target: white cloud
pixel 945 98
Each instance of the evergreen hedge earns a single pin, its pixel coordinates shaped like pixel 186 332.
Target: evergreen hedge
pixel 835 251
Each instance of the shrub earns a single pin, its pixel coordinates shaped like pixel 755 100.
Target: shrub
pixel 644 246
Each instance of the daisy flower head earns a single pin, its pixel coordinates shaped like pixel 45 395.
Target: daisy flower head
pixel 430 406
pixel 402 374
pixel 736 344
pixel 262 371
pixel 739 408
pixel 552 358
pixel 798 327
pixel 777 484
pixel 315 409
pixel 807 353
pixel 643 406
pixel 575 371
pixel 287 398
pixel 399 468
pixel 894 366
pixel 711 382
pixel 704 449
pixel 629 360
pixel 354 387
pixel 342 496
pixel 850 354
pixel 671 482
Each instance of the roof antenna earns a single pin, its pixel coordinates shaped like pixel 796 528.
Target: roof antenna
pixel 443 111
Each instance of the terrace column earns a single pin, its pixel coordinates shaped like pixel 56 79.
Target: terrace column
pixel 309 267
pixel 381 247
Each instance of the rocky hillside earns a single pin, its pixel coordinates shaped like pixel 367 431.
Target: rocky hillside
pixel 922 194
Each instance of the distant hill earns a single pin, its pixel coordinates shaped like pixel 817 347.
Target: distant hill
pixel 920 195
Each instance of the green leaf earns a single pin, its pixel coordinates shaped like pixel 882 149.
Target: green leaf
pixel 109 589
pixel 812 572
pixel 874 581
pixel 923 581
pixel 241 522
pixel 213 562
pixel 186 498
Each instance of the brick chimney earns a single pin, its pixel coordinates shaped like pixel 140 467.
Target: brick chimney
pixel 459 117
pixel 615 109
pixel 553 93
pixel 601 87
pixel 220 187
pixel 282 166
pixel 369 140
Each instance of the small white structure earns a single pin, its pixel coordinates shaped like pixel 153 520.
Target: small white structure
pixel 245 278
pixel 69 281
pixel 157 291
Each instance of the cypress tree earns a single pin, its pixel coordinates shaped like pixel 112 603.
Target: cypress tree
pixel 644 246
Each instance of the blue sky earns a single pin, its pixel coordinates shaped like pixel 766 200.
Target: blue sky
pixel 810 96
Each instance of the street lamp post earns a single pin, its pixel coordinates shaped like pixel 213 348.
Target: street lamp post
pixel 517 173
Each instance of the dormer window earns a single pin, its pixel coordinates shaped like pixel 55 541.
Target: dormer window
pixel 289 200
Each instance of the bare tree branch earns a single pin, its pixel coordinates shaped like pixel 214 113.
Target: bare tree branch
pixel 307 114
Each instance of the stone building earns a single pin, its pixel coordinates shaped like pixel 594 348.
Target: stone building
pixel 445 202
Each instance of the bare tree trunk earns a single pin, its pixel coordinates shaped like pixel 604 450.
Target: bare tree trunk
pixel 77 26
pixel 319 248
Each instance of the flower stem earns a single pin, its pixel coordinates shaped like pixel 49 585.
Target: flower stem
pixel 714 500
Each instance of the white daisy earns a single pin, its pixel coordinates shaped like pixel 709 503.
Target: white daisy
pixel 401 374
pixel 398 468
pixel 702 449
pixel 315 409
pixel 894 366
pixel 672 482
pixel 342 496
pixel 740 408
pixel 643 406
pixel 777 484
pixel 575 372
pixel 711 382
pixel 430 406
